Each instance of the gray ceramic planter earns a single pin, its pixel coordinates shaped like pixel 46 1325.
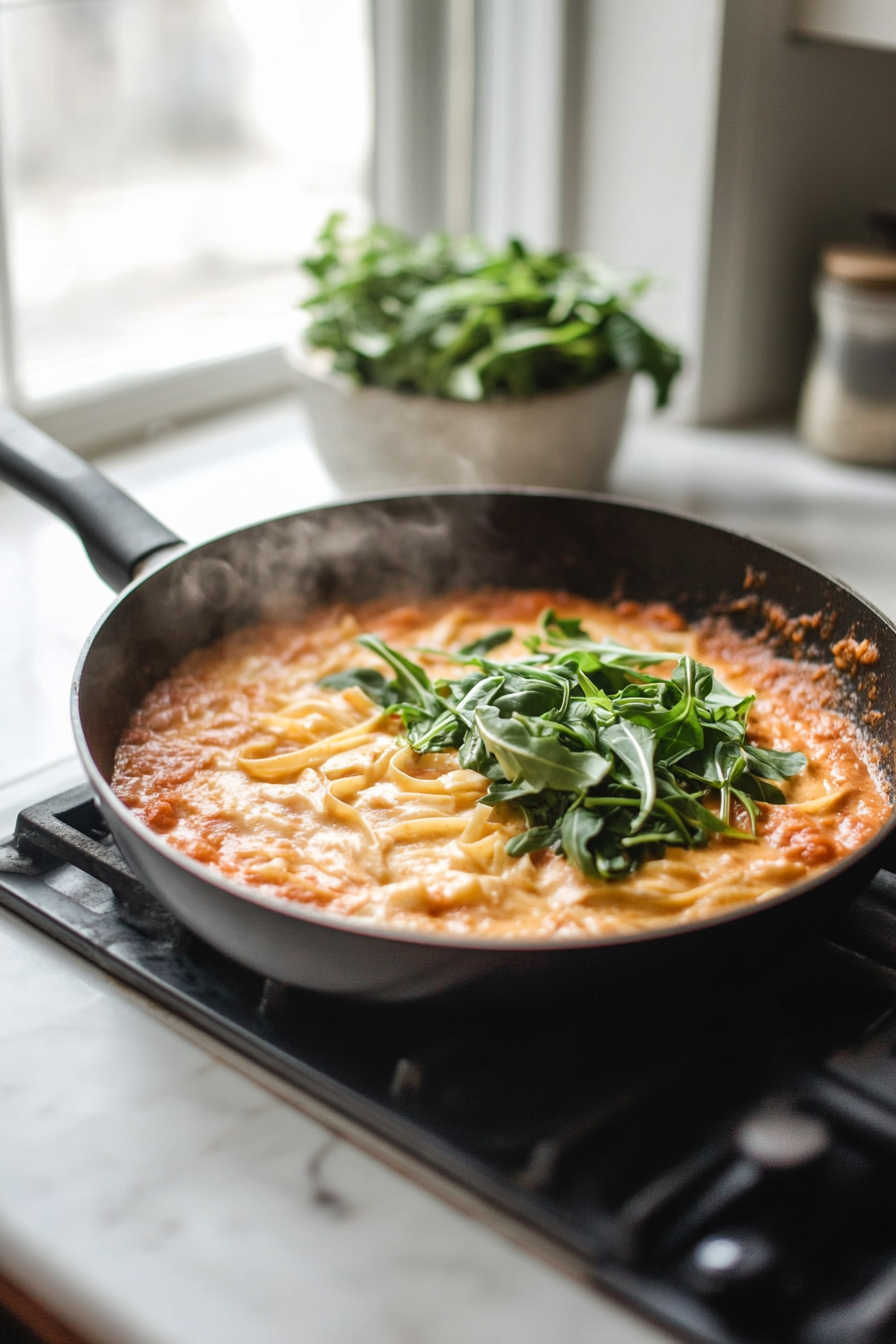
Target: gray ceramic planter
pixel 370 439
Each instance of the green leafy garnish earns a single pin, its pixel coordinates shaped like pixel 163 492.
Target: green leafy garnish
pixel 373 683
pixel 607 762
pixel 452 317
pixel 480 647
pixel 537 758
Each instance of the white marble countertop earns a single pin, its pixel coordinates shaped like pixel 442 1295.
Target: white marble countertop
pixel 153 1188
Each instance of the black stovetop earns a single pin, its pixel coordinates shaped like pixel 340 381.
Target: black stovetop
pixel 725 1161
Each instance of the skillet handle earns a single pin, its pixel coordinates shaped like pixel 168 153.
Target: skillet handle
pixel 117 533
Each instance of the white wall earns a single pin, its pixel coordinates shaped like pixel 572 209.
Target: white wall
pixel 719 154
pixel 519 121
pixel 806 143
pixel 692 139
pixel 648 145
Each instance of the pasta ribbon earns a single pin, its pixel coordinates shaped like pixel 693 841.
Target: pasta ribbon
pixel 826 803
pixel 290 762
pixel 306 729
pixel 482 852
pixel 346 787
pixel 412 783
pixel 474 828
pixel 462 782
pixel 426 828
pixel 350 815
pixel 307 789
pixel 358 698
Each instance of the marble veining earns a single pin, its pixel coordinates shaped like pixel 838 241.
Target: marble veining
pixel 150 1192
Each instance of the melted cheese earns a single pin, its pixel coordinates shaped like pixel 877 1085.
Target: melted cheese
pixel 243 761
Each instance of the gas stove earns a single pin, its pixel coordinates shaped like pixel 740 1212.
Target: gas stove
pixel 724 1161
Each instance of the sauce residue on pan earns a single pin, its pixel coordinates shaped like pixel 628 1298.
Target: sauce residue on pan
pixel 362 826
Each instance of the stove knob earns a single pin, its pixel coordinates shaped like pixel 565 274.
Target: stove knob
pixel 732 1265
pixel 782 1141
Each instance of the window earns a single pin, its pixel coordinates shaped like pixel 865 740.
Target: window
pixel 166 161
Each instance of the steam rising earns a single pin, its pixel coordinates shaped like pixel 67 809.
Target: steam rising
pixel 281 570
pixel 423 545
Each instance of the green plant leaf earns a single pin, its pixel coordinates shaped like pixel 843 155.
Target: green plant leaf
pixel 456 318
pixel 373 683
pixel 480 647
pixel 502 792
pixel 542 762
pixel 535 838
pixel 770 764
pixel 634 745
pixel 578 831
pixel 760 789
pixel 603 757
pixel 411 682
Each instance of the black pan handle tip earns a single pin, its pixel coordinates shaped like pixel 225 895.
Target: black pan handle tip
pixel 117 533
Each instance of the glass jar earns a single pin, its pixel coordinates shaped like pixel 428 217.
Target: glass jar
pixel 848 403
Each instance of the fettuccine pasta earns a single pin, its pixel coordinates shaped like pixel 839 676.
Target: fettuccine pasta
pixel 242 760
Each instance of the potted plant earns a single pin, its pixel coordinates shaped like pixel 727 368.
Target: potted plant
pixel 445 362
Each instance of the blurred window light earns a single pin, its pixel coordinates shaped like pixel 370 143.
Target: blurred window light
pixel 166 162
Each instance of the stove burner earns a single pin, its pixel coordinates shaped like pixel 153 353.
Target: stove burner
pixel 727 1165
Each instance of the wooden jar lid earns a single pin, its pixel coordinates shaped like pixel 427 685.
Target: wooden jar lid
pixel 868 267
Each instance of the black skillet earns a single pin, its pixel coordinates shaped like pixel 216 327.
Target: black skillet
pixel 401 547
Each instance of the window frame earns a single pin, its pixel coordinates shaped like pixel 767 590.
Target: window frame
pixel 133 407
pixel 476 111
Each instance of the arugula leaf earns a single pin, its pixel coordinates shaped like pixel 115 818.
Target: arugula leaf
pixel 480 647
pixel 536 837
pixel 475 755
pixel 372 683
pixel 770 764
pixel 411 682
pixel 594 696
pixel 532 695
pixel 761 790
pixel 634 745
pixel 687 809
pixel 455 318
pixel 570 627
pixel 542 762
pixel 569 633
pixel 436 735
pixel 578 831
pixel 479 693
pixel 606 761
pixel 510 793
pixel 749 806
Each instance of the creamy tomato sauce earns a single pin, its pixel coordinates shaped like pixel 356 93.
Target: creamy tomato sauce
pixel 359 825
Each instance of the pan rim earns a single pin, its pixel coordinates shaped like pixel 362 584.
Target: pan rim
pixel 282 905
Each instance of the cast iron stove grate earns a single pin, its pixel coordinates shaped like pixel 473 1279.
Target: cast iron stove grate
pixel 727 1167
